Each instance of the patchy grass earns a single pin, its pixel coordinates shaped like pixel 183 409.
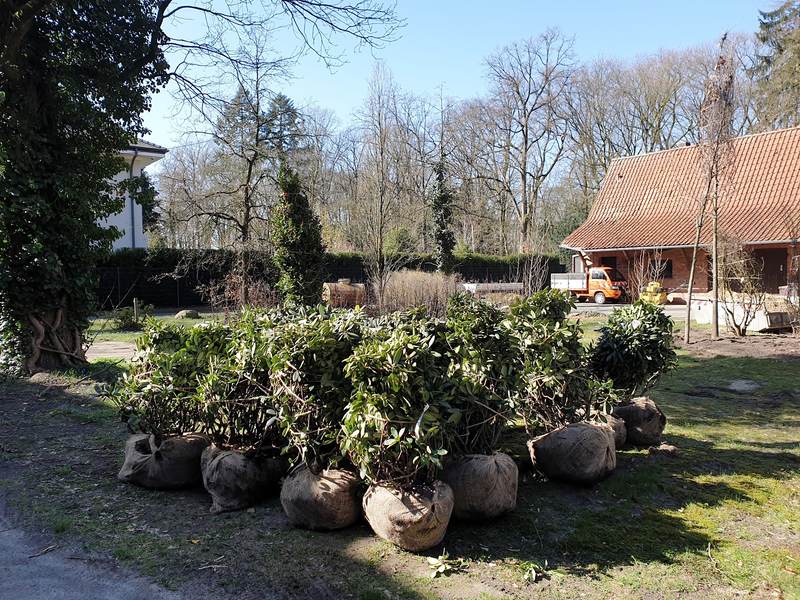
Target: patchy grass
pixel 590 326
pixel 719 520
pixel 100 370
pixel 60 524
pixel 103 329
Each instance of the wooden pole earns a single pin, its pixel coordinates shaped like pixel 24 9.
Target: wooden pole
pixel 687 332
pixel 715 273
pixel 698 229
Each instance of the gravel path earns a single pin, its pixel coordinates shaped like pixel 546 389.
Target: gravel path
pixel 676 311
pixel 113 350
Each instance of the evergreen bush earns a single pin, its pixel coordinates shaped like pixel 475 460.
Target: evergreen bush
pixel 556 389
pixel 442 208
pixel 393 395
pixel 395 428
pixel 12 341
pixel 159 393
pixel 484 352
pixel 634 348
pixel 310 388
pixel 235 396
pixel 126 319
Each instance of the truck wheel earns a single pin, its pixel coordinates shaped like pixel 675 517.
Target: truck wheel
pixel 599 298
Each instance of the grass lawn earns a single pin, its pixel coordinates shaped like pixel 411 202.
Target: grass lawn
pixel 721 519
pixel 103 329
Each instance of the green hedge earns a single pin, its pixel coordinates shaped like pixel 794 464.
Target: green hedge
pixel 145 273
pixel 348 264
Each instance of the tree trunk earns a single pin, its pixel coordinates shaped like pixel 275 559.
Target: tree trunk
pixel 56 343
pixel 698 230
pixel 688 326
pixel 244 283
pixel 714 275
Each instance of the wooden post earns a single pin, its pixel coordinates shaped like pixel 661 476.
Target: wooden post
pixel 692 266
pixel 136 310
pixel 715 273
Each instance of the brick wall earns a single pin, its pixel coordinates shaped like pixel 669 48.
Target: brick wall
pixel 681 259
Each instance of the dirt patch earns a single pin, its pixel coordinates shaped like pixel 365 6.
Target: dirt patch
pixel 779 346
pixel 743 385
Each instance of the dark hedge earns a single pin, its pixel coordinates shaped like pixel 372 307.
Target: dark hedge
pixel 147 274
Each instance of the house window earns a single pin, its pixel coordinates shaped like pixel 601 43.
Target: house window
pixel 660 269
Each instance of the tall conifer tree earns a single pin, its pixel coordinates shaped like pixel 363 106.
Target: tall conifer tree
pixel 443 237
pixel 778 66
pixel 297 236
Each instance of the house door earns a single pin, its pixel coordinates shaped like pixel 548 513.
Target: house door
pixel 608 261
pixel 774 261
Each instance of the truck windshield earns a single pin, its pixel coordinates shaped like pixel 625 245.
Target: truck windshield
pixel 615 275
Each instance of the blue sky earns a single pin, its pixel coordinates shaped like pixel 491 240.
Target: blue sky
pixel 445 42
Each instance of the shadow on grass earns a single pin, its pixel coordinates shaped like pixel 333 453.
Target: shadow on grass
pixel 103 370
pixel 637 515
pixel 59 457
pixel 634 516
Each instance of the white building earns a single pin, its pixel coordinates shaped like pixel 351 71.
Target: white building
pixel 129 220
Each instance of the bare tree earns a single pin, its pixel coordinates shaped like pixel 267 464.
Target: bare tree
pixel 247 137
pixel 717 163
pixel 319 155
pixel 377 190
pixel 619 108
pixel 533 268
pixel 526 160
pixel 700 62
pixel 792 220
pixel 317 24
pixel 184 179
pixel 741 286
pixel 530 81
pixel 603 110
pixel 417 152
pixel 482 157
pixel 646 266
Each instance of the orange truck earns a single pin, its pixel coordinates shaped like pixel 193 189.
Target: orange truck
pixel 601 284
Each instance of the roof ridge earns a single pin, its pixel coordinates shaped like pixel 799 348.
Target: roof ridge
pixel 685 147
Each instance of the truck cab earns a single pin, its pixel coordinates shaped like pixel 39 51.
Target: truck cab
pixel 604 283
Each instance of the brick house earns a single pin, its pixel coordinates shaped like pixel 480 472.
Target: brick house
pixel 648 203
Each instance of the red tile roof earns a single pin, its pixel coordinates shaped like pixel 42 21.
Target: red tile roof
pixel 652 200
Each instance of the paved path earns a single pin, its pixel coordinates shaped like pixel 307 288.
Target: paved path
pixel 676 311
pixel 113 350
pixel 60 574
